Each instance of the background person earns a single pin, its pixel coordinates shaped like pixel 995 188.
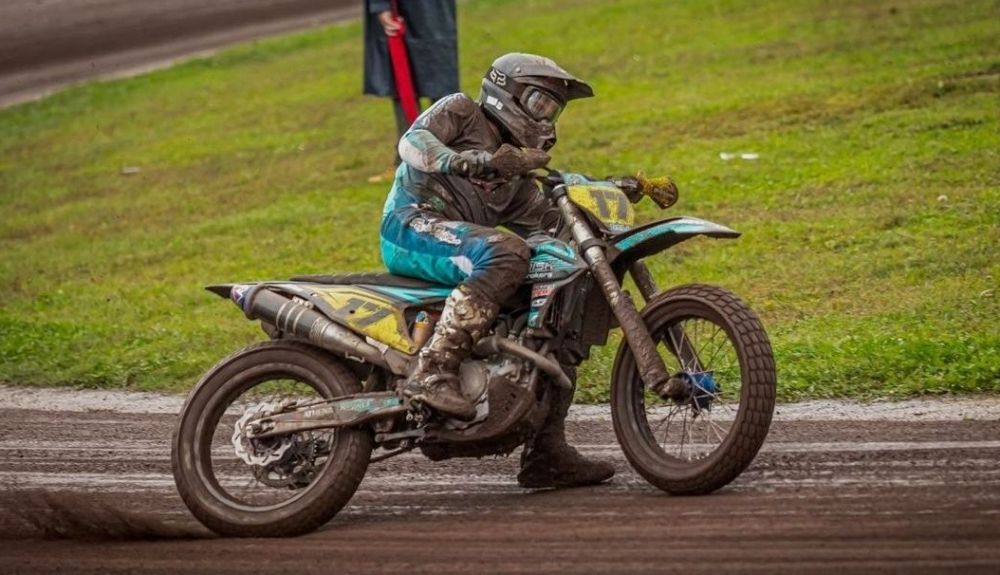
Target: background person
pixel 431 38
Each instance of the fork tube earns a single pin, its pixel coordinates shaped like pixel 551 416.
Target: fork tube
pixel 647 360
pixel 684 351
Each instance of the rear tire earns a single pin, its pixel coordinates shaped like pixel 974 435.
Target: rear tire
pixel 192 457
pixel 632 405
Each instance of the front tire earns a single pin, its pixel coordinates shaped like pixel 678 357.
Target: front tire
pixel 296 492
pixel 719 425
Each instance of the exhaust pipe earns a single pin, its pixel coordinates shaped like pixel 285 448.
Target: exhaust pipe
pixel 292 317
pixel 496 344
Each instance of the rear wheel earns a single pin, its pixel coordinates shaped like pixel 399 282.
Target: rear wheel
pixel 283 486
pixel 704 428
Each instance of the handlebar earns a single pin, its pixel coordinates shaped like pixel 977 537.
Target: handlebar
pixel 550 179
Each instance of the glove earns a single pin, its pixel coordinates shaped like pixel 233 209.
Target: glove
pixel 471 163
pixel 662 190
pixel 511 161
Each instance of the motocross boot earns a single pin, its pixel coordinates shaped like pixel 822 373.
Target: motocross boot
pixel 466 316
pixel 547 461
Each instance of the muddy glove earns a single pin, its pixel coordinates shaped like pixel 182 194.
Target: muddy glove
pixel 471 163
pixel 662 190
pixel 510 161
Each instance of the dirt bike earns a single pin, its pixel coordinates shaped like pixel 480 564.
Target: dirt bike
pixel 275 439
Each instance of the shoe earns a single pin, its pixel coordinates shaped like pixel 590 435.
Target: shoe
pixel 561 468
pixel 441 392
pixel 435 382
pixel 548 461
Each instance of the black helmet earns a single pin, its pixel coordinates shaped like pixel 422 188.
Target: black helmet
pixel 525 94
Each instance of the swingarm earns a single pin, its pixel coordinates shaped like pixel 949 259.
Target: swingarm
pixel 347 411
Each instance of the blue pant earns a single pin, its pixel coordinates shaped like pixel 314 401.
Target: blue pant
pixel 419 242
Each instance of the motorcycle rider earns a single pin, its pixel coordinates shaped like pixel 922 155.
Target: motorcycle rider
pixel 460 177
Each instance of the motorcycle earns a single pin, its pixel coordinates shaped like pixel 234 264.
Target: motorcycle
pixel 275 439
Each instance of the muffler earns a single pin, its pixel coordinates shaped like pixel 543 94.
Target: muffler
pixel 296 318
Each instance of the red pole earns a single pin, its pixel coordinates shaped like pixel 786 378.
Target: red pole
pixel 401 70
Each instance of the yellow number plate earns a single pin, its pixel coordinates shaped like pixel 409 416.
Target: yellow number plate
pixel 606 203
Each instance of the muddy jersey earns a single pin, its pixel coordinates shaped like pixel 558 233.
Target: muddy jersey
pixel 432 145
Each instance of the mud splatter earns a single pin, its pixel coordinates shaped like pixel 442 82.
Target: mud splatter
pixel 65 515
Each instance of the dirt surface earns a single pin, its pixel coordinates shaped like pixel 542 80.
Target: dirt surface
pixel 46 44
pixel 91 492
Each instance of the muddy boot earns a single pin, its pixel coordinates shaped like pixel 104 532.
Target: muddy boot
pixel 548 461
pixel 435 382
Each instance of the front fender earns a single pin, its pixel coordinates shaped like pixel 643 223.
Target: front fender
pixel 654 237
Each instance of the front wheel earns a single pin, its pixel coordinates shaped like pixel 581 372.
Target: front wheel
pixel 700 431
pixel 274 487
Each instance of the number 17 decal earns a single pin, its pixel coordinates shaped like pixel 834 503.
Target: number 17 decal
pixel 605 199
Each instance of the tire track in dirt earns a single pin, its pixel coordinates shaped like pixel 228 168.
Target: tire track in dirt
pixel 827 496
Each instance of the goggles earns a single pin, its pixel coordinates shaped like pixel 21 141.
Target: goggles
pixel 540 104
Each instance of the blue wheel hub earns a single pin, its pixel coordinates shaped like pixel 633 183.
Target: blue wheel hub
pixel 703 388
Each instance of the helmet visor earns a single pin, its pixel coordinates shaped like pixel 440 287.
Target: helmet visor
pixel 541 105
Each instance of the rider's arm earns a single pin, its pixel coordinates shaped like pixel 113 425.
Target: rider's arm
pixel 425 145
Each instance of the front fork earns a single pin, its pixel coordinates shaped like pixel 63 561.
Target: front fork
pixel 676 341
pixel 648 361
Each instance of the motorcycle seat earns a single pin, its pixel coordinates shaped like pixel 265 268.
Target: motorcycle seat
pixel 374 278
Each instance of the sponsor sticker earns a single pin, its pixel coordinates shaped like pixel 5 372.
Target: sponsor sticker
pixel 541 291
pixel 237 294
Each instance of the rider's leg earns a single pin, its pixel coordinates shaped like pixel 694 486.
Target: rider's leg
pixel 466 317
pixel 487 265
pixel 548 461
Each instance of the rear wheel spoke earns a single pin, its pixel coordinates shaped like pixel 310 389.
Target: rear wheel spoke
pixel 270 471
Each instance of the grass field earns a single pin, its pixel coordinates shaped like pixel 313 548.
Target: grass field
pixel 871 219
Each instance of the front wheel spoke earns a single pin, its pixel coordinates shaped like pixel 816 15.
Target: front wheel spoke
pixel 710 344
pixel 684 433
pixel 668 420
pixel 679 347
pixel 695 361
pixel 716 351
pixel 697 337
pixel 715 427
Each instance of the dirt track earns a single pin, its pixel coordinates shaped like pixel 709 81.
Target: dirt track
pixel 823 496
pixel 45 44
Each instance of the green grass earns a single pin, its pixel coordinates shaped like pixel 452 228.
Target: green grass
pixel 871 220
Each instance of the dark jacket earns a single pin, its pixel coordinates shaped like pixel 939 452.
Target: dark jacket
pixel 431 40
pixel 452 125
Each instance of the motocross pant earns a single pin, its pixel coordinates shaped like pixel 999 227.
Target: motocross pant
pixel 418 242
